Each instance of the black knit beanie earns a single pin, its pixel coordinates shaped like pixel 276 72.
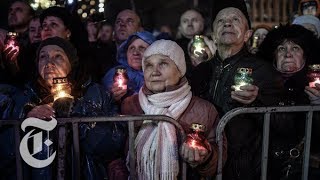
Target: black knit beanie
pixel 67 47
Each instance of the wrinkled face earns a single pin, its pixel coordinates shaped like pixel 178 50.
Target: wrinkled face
pixel 309 10
pixel 35 30
pixel 53 63
pixel 135 52
pixel 19 15
pixel 126 24
pixel 191 23
pixel 160 72
pixel 311 27
pixel 54 27
pixel 105 33
pixel 289 57
pixel 92 29
pixel 231 28
pixel 261 33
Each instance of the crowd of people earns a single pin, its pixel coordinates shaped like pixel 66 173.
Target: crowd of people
pixel 118 68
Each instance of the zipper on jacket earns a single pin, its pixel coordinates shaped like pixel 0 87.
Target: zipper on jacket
pixel 218 79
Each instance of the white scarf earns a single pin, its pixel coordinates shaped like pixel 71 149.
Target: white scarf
pixel 156 144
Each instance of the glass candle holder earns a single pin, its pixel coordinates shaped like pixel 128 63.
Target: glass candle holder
pixel 121 77
pixel 314 75
pixel 196 138
pixel 61 88
pixel 11 41
pixel 242 78
pixel 255 41
pixel 198 47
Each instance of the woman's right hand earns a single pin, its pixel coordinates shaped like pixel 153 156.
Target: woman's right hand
pixel 117 92
pixel 42 112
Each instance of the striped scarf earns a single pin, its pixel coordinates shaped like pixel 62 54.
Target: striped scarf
pixel 156 143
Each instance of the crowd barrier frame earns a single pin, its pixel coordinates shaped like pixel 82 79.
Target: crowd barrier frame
pixel 75 136
pixel 309 110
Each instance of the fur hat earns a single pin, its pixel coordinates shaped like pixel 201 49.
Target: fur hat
pixel 309 19
pixel 168 48
pixel 67 47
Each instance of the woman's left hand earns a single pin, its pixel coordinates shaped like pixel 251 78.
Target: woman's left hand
pixel 313 94
pixel 194 156
pixel 247 94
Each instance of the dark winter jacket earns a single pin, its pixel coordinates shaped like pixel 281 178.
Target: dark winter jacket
pixel 212 80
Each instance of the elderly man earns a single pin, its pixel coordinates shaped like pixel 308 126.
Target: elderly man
pixel 127 23
pixel 214 80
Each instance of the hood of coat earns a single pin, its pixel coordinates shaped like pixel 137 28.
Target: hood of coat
pixel 122 51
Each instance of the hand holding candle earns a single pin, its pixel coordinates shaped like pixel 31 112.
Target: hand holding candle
pixel 196 148
pixel 11 48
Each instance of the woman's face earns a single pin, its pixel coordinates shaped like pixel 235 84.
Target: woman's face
pixel 160 72
pixel 289 57
pixel 54 27
pixel 53 63
pixel 134 53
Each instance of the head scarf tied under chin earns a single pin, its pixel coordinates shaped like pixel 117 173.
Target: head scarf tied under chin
pixel 156 144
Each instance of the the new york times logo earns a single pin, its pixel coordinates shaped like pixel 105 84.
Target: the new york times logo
pixel 37 139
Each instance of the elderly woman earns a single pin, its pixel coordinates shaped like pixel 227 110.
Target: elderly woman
pixel 166 92
pixel 57 58
pixel 129 57
pixel 291 49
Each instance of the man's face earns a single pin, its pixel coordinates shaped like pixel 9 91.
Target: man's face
pixel 105 33
pixel 191 23
pixel 35 30
pixel 289 57
pixel 127 23
pixel 134 53
pixel 19 15
pixel 54 27
pixel 231 28
pixel 92 29
pixel 160 72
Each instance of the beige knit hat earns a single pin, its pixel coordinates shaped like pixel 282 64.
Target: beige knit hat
pixel 168 48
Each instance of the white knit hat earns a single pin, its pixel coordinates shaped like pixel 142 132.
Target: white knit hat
pixel 167 48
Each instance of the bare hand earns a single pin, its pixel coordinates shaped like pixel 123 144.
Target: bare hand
pixel 42 112
pixel 117 92
pixel 194 156
pixel 313 93
pixel 247 94
pixel 11 53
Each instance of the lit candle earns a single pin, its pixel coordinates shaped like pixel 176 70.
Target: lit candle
pixel 242 78
pixel 196 139
pixel 313 83
pixel 61 88
pixel 314 75
pixel 121 78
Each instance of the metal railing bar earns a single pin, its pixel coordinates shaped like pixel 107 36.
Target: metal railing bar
pixel 76 148
pixel 255 110
pixel 131 151
pixel 308 130
pixel 17 147
pixel 265 146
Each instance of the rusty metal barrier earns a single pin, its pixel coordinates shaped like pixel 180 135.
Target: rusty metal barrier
pixel 266 126
pixel 75 135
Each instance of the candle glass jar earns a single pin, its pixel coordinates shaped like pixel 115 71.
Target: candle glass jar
pixel 242 78
pixel 314 75
pixel 198 47
pixel 121 77
pixel 11 41
pixel 196 138
pixel 63 101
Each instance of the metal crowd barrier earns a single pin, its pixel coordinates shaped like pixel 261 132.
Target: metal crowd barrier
pixel 266 126
pixel 75 122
